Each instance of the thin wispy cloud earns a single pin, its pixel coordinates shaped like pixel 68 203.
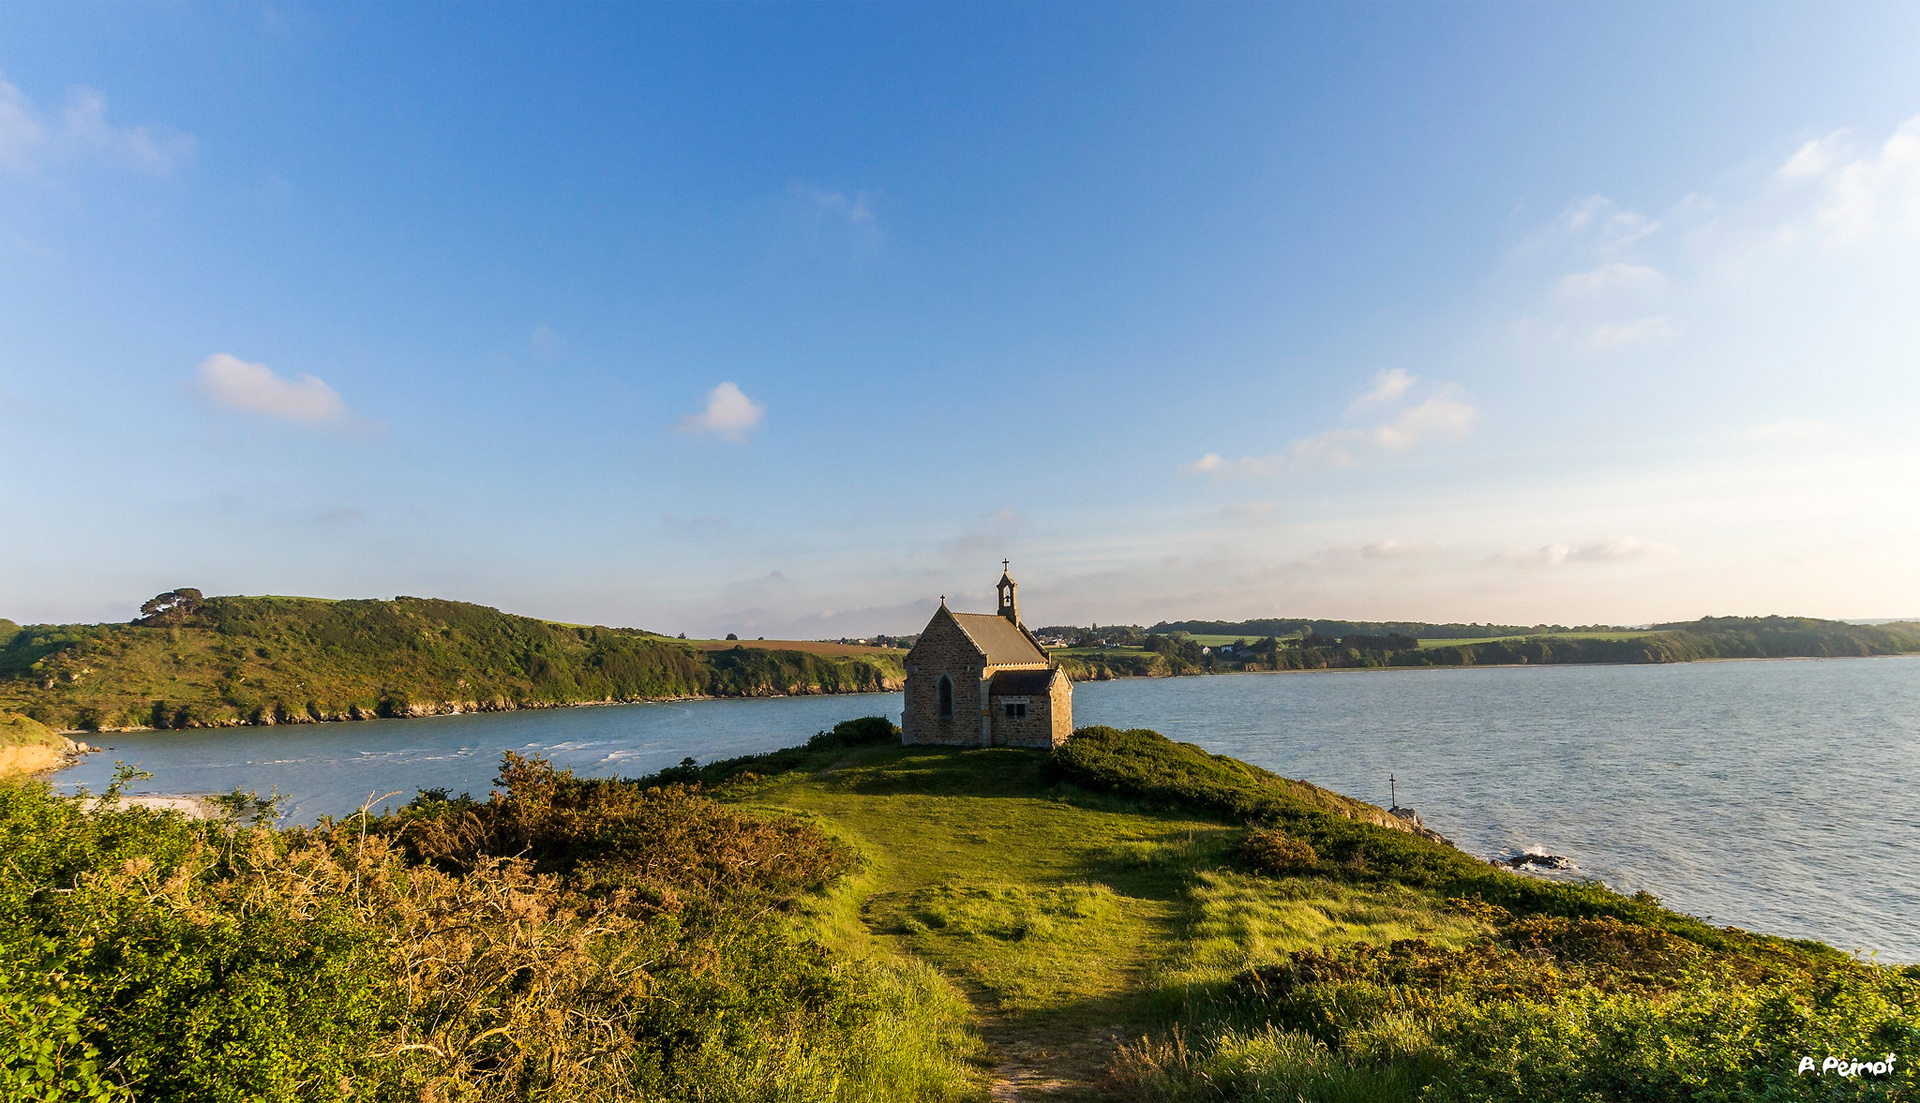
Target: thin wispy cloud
pixel 1611 278
pixel 1632 334
pixel 1437 419
pixel 1858 196
pixel 834 205
pixel 729 414
pixel 1611 549
pixel 251 388
pixel 33 140
pixel 1387 388
pixel 1609 225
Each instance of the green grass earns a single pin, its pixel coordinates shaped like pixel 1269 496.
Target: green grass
pixel 1068 919
pixel 24 731
pixel 1047 911
pixel 1209 640
pixel 1623 635
pixel 1236 921
pixel 1093 908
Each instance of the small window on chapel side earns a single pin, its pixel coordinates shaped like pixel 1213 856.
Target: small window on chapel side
pixel 946 696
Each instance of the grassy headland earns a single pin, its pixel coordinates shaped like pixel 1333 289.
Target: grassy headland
pixel 265 660
pixel 1125 918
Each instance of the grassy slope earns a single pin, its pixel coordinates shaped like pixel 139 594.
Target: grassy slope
pixel 1088 899
pixel 1062 916
pixel 282 659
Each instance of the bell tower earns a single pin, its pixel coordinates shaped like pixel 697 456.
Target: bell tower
pixel 1007 586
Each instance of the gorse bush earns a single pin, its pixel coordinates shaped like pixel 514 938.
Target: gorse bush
pixel 566 939
pixel 1271 851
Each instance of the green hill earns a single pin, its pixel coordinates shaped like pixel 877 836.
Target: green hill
pixel 1295 626
pixel 854 921
pixel 1685 641
pixel 1680 641
pixel 194 662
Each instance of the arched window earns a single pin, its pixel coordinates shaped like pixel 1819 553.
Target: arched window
pixel 946 697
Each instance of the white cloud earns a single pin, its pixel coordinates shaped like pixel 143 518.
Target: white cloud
pixel 1817 157
pixel 1872 194
pixel 1387 386
pixel 32 140
pixel 1437 419
pixel 255 389
pixel 1214 464
pixel 1611 278
pixel 1611 549
pixel 729 414
pixel 1611 226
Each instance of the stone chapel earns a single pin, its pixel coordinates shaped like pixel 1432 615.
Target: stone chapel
pixel 980 680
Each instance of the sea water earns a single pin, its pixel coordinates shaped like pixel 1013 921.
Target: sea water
pixel 1780 796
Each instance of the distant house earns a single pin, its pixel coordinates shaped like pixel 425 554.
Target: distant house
pixel 980 679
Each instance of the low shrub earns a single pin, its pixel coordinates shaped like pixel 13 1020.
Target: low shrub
pixel 1276 852
pixel 867 731
pixel 567 939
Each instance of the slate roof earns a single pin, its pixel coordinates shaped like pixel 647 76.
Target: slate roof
pixel 998 639
pixel 1021 683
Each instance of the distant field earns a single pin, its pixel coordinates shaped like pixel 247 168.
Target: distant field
pixel 1216 641
pixel 810 647
pixel 1426 644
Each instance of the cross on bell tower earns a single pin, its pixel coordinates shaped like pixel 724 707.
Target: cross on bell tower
pixel 1007 586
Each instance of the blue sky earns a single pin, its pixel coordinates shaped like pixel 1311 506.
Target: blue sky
pixel 788 320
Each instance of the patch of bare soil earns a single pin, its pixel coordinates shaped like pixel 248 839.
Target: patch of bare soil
pixel 1035 1062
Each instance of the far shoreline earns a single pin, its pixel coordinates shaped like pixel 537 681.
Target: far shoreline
pixel 374 719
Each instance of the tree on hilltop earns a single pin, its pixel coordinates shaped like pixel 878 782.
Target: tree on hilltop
pixel 172 607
